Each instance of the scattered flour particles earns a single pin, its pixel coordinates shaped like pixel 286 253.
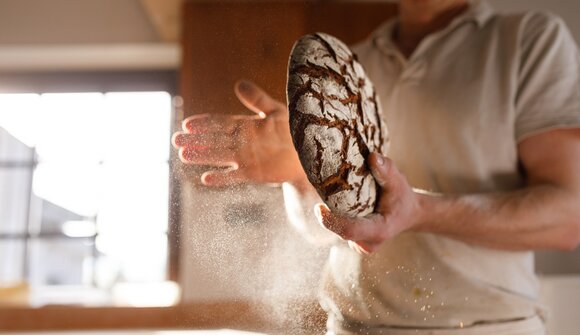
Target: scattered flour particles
pixel 335 122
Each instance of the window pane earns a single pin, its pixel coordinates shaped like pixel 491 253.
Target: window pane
pixel 14 152
pixel 140 257
pixel 85 179
pixel 60 261
pixel 134 198
pixel 69 126
pixel 138 126
pixel 11 262
pixel 17 112
pixel 132 224
pixel 73 187
pixel 14 200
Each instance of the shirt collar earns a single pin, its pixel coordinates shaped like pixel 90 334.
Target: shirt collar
pixel 479 11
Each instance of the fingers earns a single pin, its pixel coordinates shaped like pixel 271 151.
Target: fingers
pixel 214 140
pixel 394 213
pixel 212 149
pixel 381 169
pixel 363 247
pixel 256 99
pixel 206 123
pixel 204 155
pixel 193 120
pixel 223 178
pixel 367 232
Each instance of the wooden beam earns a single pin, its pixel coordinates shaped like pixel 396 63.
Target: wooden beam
pixel 165 15
pixel 101 57
pixel 242 315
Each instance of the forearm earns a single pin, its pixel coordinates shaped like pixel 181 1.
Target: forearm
pixel 537 217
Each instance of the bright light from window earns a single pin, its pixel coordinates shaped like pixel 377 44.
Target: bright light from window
pixel 103 161
pixel 18 113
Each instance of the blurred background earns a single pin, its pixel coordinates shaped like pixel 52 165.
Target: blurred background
pixel 102 229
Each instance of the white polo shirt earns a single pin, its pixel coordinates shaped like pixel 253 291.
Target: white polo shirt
pixel 456 110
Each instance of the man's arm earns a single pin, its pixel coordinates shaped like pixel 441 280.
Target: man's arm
pixel 257 149
pixel 544 215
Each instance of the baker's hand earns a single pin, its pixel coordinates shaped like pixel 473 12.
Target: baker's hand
pixel 256 148
pixel 398 209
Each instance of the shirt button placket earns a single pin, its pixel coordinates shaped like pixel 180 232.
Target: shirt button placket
pixel 414 71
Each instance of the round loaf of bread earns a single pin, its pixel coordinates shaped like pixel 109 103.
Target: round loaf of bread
pixel 335 121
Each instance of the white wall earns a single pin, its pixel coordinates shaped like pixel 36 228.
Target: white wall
pixel 74 22
pixel 125 21
pixel 566 9
pixel 80 35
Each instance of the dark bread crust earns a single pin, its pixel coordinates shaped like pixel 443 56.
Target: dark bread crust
pixel 335 122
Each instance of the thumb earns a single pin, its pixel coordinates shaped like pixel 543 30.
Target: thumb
pixel 380 168
pixel 256 99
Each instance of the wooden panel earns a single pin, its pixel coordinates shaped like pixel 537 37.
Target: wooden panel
pixel 236 315
pixel 226 41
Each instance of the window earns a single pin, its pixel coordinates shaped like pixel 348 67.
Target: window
pixel 84 196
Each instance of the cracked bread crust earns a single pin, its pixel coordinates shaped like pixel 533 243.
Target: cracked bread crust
pixel 335 122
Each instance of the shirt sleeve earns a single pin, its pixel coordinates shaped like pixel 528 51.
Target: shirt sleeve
pixel 548 83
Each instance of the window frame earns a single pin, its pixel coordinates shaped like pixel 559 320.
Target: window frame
pixel 115 81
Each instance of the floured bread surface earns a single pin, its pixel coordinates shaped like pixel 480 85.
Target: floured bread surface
pixel 335 122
